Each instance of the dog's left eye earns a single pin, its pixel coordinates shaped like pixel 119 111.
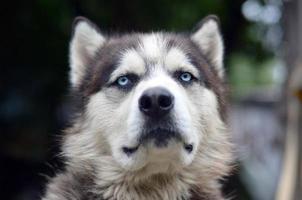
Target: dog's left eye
pixel 185 77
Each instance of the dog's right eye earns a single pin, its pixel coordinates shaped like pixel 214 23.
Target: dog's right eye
pixel 123 81
pixel 126 81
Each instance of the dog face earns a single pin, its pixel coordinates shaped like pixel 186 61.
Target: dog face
pixel 148 100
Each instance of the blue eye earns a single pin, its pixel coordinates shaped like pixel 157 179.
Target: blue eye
pixel 126 82
pixel 123 81
pixel 186 77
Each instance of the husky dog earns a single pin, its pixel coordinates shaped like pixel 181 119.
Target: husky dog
pixel 150 123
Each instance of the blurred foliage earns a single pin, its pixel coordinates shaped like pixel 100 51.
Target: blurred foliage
pixel 34 68
pixel 247 74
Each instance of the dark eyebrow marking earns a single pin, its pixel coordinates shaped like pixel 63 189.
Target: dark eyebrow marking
pixel 105 62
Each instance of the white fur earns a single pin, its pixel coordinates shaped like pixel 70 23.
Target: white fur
pixel 130 62
pixel 177 60
pixel 83 46
pixel 209 40
pixel 152 46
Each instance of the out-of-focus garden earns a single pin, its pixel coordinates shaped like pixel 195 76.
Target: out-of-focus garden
pixel 263 49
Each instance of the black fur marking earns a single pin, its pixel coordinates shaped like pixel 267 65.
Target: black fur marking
pixel 160 137
pixel 106 62
pixel 99 68
pixel 189 148
pixel 160 132
pixel 129 151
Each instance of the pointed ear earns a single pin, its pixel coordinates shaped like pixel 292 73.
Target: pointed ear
pixel 85 42
pixel 208 38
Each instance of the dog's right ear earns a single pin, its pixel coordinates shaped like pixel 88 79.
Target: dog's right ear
pixel 85 42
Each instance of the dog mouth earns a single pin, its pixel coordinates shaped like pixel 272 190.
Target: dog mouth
pixel 160 138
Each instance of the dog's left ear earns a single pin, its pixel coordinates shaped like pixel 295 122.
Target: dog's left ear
pixel 208 38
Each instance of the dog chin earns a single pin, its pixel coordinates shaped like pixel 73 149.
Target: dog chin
pixel 159 152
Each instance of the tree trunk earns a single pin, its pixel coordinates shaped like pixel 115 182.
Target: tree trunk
pixel 290 184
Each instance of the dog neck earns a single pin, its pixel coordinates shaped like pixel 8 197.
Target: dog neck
pixel 142 186
pixel 110 182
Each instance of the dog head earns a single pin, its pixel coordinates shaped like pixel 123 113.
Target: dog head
pixel 150 101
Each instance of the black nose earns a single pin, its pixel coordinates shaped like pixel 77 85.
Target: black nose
pixel 156 102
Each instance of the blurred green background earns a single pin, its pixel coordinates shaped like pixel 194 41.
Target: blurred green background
pixel 34 84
